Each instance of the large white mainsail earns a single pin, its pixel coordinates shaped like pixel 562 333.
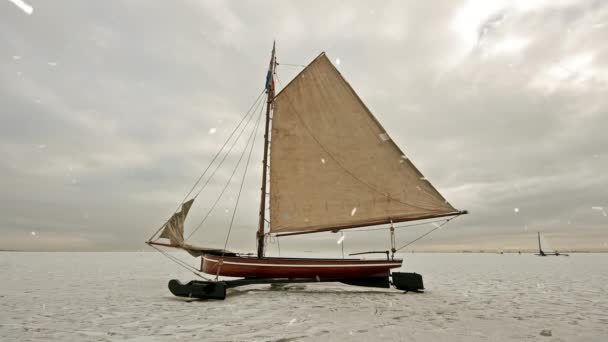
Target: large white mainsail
pixel 333 166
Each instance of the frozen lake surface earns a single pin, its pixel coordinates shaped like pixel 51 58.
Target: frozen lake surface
pixel 472 297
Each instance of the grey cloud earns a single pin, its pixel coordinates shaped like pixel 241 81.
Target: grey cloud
pixel 107 110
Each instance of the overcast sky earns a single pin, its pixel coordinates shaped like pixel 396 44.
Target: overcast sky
pixel 109 110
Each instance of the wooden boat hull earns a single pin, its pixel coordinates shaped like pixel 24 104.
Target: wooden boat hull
pixel 252 267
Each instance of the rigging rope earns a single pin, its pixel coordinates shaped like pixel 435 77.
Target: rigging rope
pixel 279 80
pixel 227 182
pixel 400 226
pixel 427 233
pixel 238 197
pixel 175 259
pixel 292 65
pixel 211 163
pixel 231 147
pixel 180 262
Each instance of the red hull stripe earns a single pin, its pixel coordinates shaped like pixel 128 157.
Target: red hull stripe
pixel 395 264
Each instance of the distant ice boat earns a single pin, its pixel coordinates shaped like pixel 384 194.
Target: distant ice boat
pixel 544 249
pixel 362 180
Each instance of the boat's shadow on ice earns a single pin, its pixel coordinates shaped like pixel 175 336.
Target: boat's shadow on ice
pixel 299 289
pixel 314 291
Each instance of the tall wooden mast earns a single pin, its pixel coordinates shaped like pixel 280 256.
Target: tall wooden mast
pixel 269 98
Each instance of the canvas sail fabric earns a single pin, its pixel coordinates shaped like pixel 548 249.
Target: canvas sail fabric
pixel 333 166
pixel 174 228
pixel 174 231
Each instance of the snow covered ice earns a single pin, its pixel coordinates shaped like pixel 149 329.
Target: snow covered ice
pixel 469 297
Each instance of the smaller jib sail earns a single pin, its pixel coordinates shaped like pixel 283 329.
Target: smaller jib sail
pixel 174 228
pixel 333 166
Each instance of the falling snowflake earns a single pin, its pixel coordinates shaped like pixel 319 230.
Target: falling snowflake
pixel 292 321
pixel 33 233
pixel 24 7
pixel 212 130
pixel 353 212
pixel 516 210
pixel 322 160
pixel 53 64
pixel 338 61
pixel 341 239
pixel 16 58
pixel 41 146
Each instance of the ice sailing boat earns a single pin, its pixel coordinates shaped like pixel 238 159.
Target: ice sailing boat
pixel 332 167
pixel 547 250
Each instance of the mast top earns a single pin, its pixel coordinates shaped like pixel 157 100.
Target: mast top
pixel 270 75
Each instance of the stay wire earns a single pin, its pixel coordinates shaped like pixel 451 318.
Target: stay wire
pixel 427 233
pixel 254 136
pixel 227 182
pixel 279 80
pixel 211 163
pixel 292 65
pixel 401 226
pixel 229 150
pixel 180 262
